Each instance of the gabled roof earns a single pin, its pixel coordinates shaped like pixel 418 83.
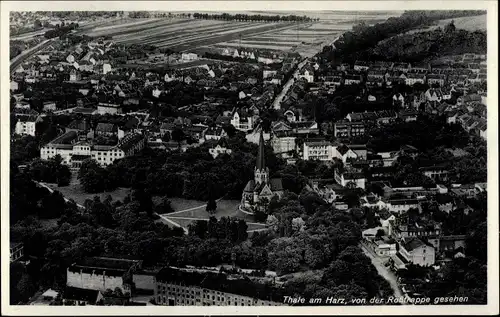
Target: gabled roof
pixel 106 127
pixel 413 244
pixel 80 294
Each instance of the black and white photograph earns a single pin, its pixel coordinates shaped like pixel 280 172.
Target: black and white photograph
pixel 277 155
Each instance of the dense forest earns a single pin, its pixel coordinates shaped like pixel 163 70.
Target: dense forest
pixel 356 44
pixel 422 46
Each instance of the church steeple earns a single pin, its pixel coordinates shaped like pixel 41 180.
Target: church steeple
pixel 261 163
pixel 261 173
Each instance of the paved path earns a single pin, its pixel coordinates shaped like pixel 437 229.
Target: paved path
pixel 51 190
pixel 191 218
pixel 173 223
pixel 382 270
pixel 189 209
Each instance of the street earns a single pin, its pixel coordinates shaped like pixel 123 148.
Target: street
pixel 385 272
pixel 286 87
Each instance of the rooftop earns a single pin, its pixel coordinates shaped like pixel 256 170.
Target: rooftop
pixel 222 283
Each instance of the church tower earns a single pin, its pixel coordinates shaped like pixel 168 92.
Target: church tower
pixel 261 172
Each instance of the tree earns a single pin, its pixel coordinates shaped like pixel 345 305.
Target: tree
pixel 38 24
pixel 25 287
pixel 164 207
pixel 380 233
pixel 450 27
pixel 178 136
pixel 211 206
pixel 298 224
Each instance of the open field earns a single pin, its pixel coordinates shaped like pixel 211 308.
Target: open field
pixel 181 204
pixel 200 35
pixel 181 34
pixel 472 23
pixel 75 191
pixel 188 211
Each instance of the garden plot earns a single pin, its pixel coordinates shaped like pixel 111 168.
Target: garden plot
pixel 226 36
pixel 263 46
pixel 119 29
pixel 192 33
pixel 165 30
pixel 133 22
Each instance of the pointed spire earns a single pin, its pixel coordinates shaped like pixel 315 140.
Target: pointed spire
pixel 261 164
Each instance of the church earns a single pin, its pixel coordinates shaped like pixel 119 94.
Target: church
pixel 261 186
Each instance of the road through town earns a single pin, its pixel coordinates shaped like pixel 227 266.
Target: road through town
pixel 383 271
pixel 286 87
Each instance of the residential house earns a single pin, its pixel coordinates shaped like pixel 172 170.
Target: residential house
pixel 350 178
pixel 361 66
pixel 74 75
pixel 106 68
pixel 413 78
pixel 26 125
pixel 408 115
pixel 16 251
pixel 348 129
pixel 284 144
pixel 421 68
pixel 14 86
pixel 81 297
pixel 401 67
pixel 189 56
pixel 352 79
pixel 242 121
pixel 437 172
pixel 319 150
pixel 107 129
pixel 436 79
pixel 433 94
pixel 398 100
pixel 49 106
pixel 109 108
pixel 402 205
pixel 220 148
pixel 417 252
pixel 215 133
pixel 268 72
pixel 306 73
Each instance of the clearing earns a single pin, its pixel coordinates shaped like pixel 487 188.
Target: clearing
pixel 75 191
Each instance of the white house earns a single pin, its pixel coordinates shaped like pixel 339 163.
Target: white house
pixel 218 149
pixel 106 68
pixel 283 146
pixel 14 85
pixel 307 73
pixel 242 123
pixel 189 56
pixel 433 94
pixel 319 150
pixel 109 108
pixel 266 73
pixel 417 252
pixel 26 125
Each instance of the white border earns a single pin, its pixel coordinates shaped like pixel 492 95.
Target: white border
pixel 491 6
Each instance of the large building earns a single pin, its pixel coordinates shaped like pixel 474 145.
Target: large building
pixel 319 150
pixel 102 273
pixel 177 287
pixel 26 125
pixel 74 150
pixel 261 187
